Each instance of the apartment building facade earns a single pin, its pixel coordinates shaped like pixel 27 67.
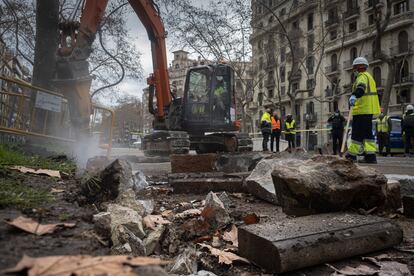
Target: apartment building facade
pixel 315 60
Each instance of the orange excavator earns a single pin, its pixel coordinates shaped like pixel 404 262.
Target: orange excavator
pixel 203 120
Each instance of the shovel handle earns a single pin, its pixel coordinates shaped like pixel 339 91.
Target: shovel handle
pixel 346 130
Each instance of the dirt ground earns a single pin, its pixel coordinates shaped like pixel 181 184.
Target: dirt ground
pixel 64 207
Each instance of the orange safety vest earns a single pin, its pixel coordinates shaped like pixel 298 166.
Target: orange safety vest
pixel 275 124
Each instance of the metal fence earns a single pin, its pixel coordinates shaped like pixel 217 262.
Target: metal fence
pixel 26 110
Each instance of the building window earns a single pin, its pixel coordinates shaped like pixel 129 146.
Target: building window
pixel 334 63
pixel 310 108
pixel 352 4
pixel 335 106
pixel 261 62
pixel 270 93
pixel 309 86
pixel 260 99
pixel 352 27
pixel 404 96
pixel 282 54
pixel 371 19
pixel 282 74
pixel 311 42
pixel 295 25
pixel 295 86
pixel 283 111
pixel 353 53
pixel 333 34
pixel 309 64
pixel 282 90
pixel 402 42
pixel 401 7
pixel 377 76
pixel 402 72
pixel 310 21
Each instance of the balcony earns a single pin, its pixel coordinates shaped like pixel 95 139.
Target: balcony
pixel 253 105
pixel 351 13
pixel 297 75
pixel 333 69
pixel 405 80
pixel 270 82
pixel 402 50
pixel 331 22
pixel 370 4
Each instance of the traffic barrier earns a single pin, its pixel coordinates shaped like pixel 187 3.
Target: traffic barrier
pixel 21 104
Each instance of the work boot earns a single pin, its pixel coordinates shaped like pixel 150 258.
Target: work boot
pixel 370 159
pixel 350 157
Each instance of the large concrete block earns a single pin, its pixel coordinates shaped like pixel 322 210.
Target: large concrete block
pixel 406 182
pixel 306 241
pixel 205 185
pixel 187 163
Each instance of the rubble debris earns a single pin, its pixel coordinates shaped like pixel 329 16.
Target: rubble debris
pixel 96 164
pixel 34 227
pixel 389 267
pixel 359 270
pixel 393 195
pixel 128 199
pixel 83 265
pixel 238 161
pixel 171 240
pixel 205 182
pixel 315 239
pixel 195 228
pixel 188 213
pixel 406 183
pixel 185 263
pixel 224 257
pixel 128 240
pixel 151 221
pixel 51 173
pixel 127 217
pixel 260 182
pixel 153 239
pixel 408 203
pixel 214 211
pixel 102 224
pixel 225 199
pixel 232 236
pixel 187 163
pixel 204 273
pixel 327 184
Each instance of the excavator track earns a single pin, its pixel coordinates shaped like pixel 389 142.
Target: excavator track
pixel 244 142
pixel 164 143
pixel 222 142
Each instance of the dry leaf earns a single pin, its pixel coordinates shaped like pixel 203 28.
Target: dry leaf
pixel 224 257
pixel 354 271
pixel 188 213
pixel 389 267
pixel 83 265
pixel 166 213
pixel 56 191
pixel 251 219
pixel 51 173
pixel 237 195
pixel 31 226
pixel 232 236
pixel 151 221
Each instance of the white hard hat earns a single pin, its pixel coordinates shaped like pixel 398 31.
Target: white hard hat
pixel 409 107
pixel 360 60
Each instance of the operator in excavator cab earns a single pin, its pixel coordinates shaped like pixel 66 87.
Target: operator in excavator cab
pixel 219 107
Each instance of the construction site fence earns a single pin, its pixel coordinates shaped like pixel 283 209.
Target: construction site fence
pixel 30 111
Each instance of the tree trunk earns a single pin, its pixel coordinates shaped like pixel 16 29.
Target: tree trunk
pixel 244 123
pixel 385 101
pixel 47 20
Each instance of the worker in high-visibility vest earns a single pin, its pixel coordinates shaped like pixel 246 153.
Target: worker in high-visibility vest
pixel 407 128
pixel 266 128
pixel 290 132
pixel 365 104
pixel 276 132
pixel 383 129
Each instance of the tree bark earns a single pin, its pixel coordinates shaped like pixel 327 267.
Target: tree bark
pixel 385 101
pixel 47 21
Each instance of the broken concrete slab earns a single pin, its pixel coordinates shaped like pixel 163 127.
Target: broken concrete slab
pixel 406 182
pixel 408 203
pixel 214 211
pixel 102 224
pixel 393 195
pixel 205 185
pixel 125 236
pixel 153 239
pixel 260 182
pixel 283 246
pixel 327 184
pixel 187 163
pixel 96 164
pixel 127 217
pixel 238 161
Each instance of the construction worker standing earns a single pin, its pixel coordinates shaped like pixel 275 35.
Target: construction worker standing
pixel 266 127
pixel 365 104
pixel 290 131
pixel 276 132
pixel 337 121
pixel 407 127
pixel 383 128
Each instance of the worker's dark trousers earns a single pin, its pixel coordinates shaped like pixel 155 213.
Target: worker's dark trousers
pixel 265 142
pixel 383 141
pixel 362 139
pixel 407 143
pixel 336 141
pixel 291 140
pixel 275 136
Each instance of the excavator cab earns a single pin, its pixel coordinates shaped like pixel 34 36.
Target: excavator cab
pixel 209 100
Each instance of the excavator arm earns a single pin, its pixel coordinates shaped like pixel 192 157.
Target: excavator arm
pixel 73 77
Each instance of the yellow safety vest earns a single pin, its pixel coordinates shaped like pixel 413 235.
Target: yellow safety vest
pixel 382 125
pixel 266 117
pixel 369 103
pixel 218 91
pixel 289 127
